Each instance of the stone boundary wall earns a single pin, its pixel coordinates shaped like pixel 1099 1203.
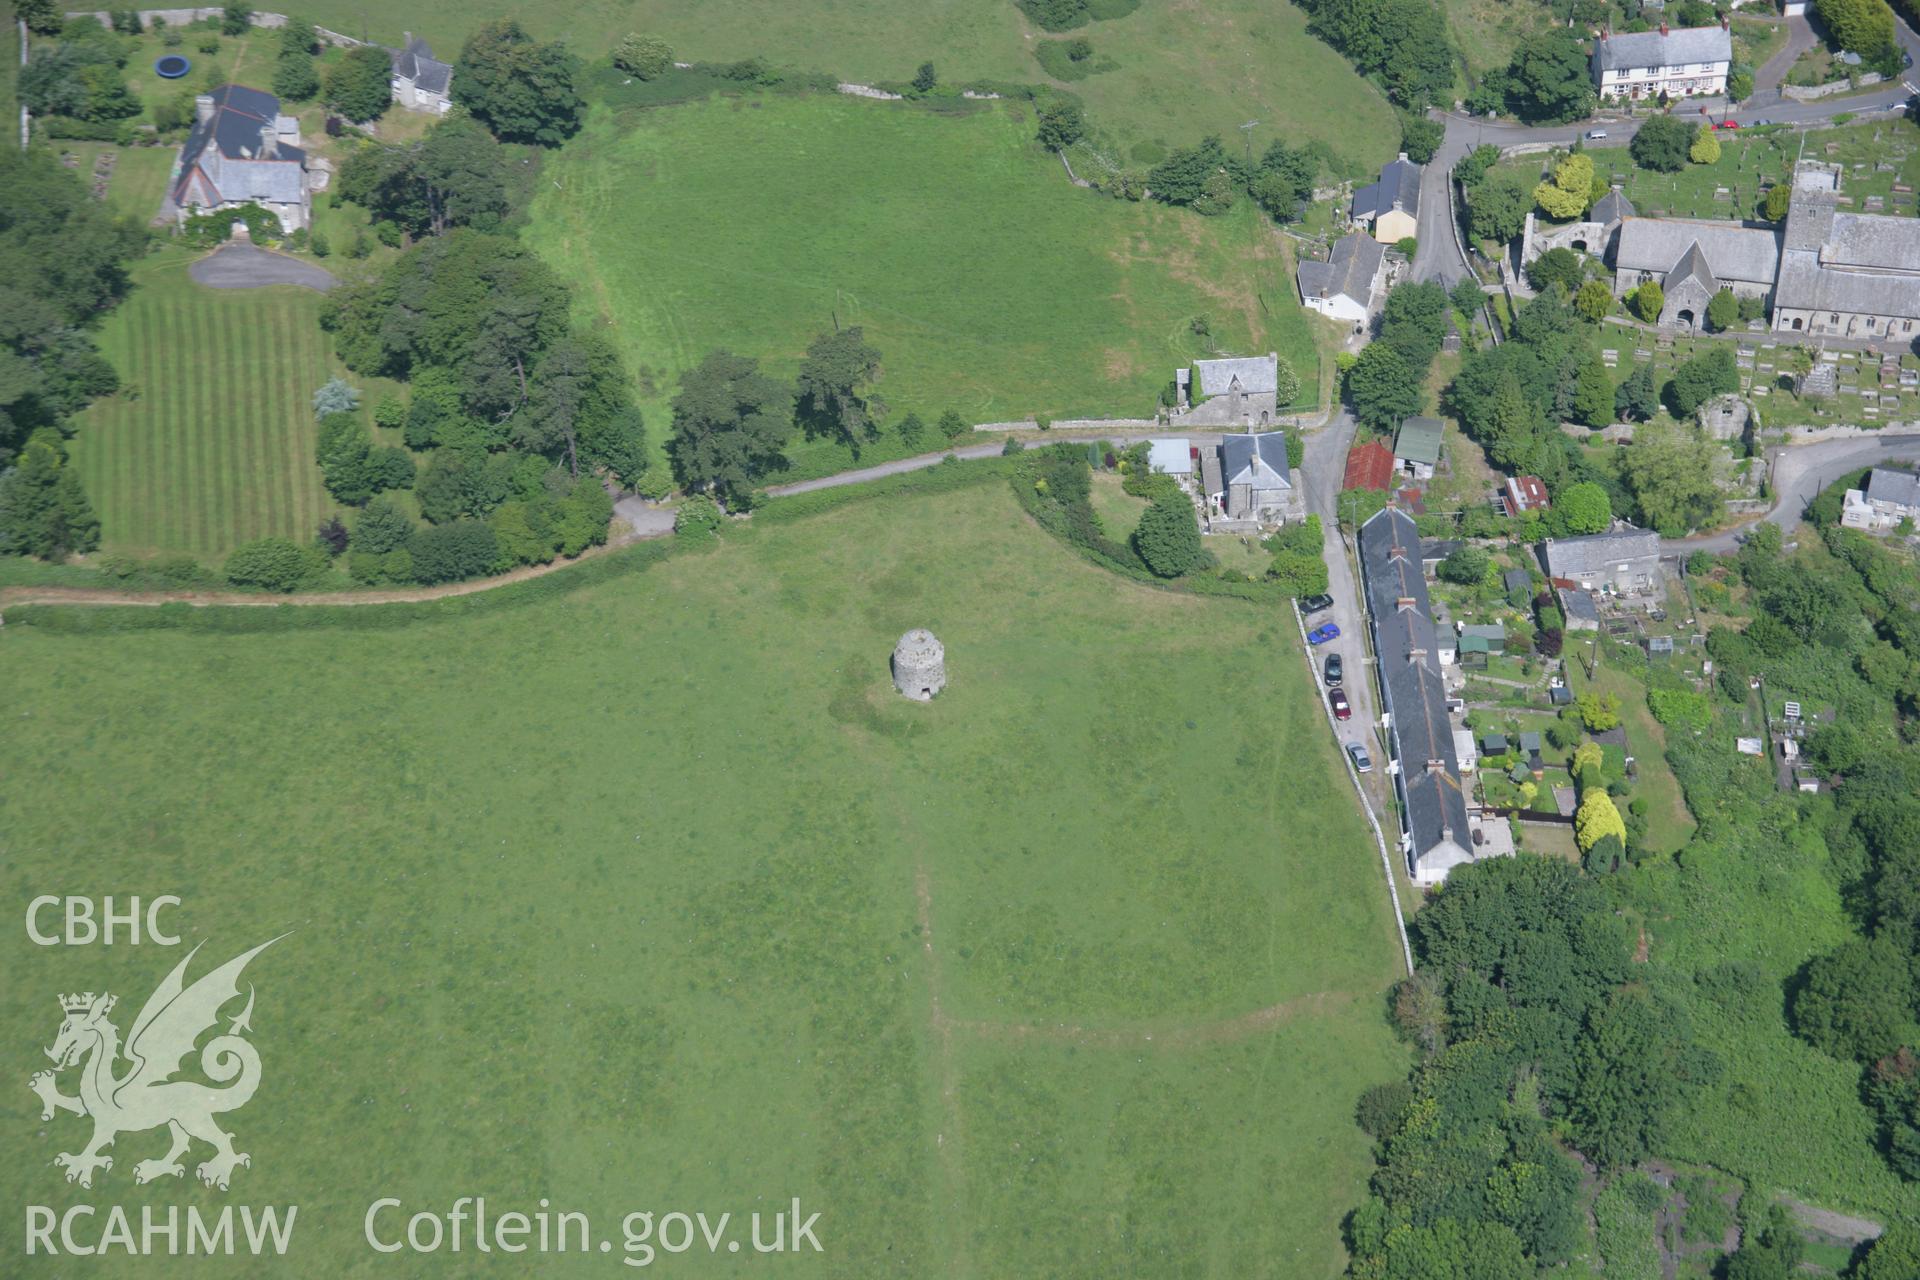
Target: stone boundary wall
pixel 1070 424
pixel 1808 93
pixel 186 17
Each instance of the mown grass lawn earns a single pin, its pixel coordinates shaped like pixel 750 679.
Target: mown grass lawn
pixel 210 441
pixel 988 282
pixel 656 896
pixel 1183 71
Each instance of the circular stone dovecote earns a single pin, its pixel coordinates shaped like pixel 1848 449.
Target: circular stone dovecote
pixel 919 665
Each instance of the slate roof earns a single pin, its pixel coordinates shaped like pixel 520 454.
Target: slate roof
pixel 1611 208
pixel 1598 552
pixel 220 160
pixel 416 63
pixel 1416 699
pixel 1858 262
pixel 1887 485
pixel 1578 606
pixel 1419 441
pixel 1259 375
pixel 1351 267
pixel 1259 460
pixel 1731 251
pixel 1517 580
pixel 1398 188
pixel 1692 266
pixel 1674 49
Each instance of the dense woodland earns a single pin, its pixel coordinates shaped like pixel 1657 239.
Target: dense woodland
pixel 62 266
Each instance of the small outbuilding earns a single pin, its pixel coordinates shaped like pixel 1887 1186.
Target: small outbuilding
pixel 1417 448
pixel 919 665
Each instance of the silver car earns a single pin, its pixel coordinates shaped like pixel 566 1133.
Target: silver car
pixel 1362 762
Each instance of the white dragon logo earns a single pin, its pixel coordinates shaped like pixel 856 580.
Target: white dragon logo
pixel 146 1097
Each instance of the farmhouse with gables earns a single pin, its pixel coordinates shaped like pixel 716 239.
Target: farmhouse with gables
pixel 241 151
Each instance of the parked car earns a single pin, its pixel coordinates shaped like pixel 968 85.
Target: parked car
pixel 1334 670
pixel 1342 709
pixel 1315 604
pixel 1728 124
pixel 1322 634
pixel 1761 124
pixel 1595 135
pixel 1362 762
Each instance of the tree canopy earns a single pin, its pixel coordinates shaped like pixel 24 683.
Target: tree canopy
pixel 834 388
pixel 520 89
pixel 730 423
pixel 1662 144
pixel 453 177
pixel 1168 536
pixel 360 85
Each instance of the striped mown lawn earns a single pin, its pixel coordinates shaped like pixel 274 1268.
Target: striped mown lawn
pixel 211 442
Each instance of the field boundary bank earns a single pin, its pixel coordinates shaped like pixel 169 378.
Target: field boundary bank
pixel 929 472
pixel 60 608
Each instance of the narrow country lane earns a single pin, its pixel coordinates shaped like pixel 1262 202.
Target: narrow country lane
pixel 1440 255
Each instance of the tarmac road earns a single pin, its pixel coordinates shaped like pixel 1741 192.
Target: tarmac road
pixel 1799 474
pixel 1439 256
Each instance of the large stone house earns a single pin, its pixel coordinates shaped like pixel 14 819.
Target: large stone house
pixel 1692 259
pixel 1256 483
pixel 421 82
pixel 1436 831
pixel 1390 208
pixel 1854 275
pixel 1239 392
pixel 1887 498
pixel 1681 64
pixel 1626 562
pixel 1343 287
pixel 242 151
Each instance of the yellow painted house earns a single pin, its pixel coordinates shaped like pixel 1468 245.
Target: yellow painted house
pixel 1390 208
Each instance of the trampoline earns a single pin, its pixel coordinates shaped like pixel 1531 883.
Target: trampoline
pixel 172 67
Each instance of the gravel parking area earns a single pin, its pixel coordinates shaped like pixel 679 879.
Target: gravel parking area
pixel 243 266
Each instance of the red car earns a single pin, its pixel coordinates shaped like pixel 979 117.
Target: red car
pixel 1342 709
pixel 1728 124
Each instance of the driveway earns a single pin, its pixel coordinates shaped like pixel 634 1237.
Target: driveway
pixel 245 266
pixel 1767 80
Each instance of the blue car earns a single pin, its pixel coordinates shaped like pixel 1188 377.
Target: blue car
pixel 1320 635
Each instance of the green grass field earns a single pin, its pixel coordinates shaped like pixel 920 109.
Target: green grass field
pixel 988 282
pixel 1072 972
pixel 210 442
pixel 1184 70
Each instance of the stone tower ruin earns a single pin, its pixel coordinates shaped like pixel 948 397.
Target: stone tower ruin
pixel 919 665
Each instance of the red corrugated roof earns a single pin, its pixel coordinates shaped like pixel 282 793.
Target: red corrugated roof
pixel 1527 493
pixel 1369 466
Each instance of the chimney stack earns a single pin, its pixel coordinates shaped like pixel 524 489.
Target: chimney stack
pixel 203 107
pixel 1723 22
pixel 269 141
pixel 1663 27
